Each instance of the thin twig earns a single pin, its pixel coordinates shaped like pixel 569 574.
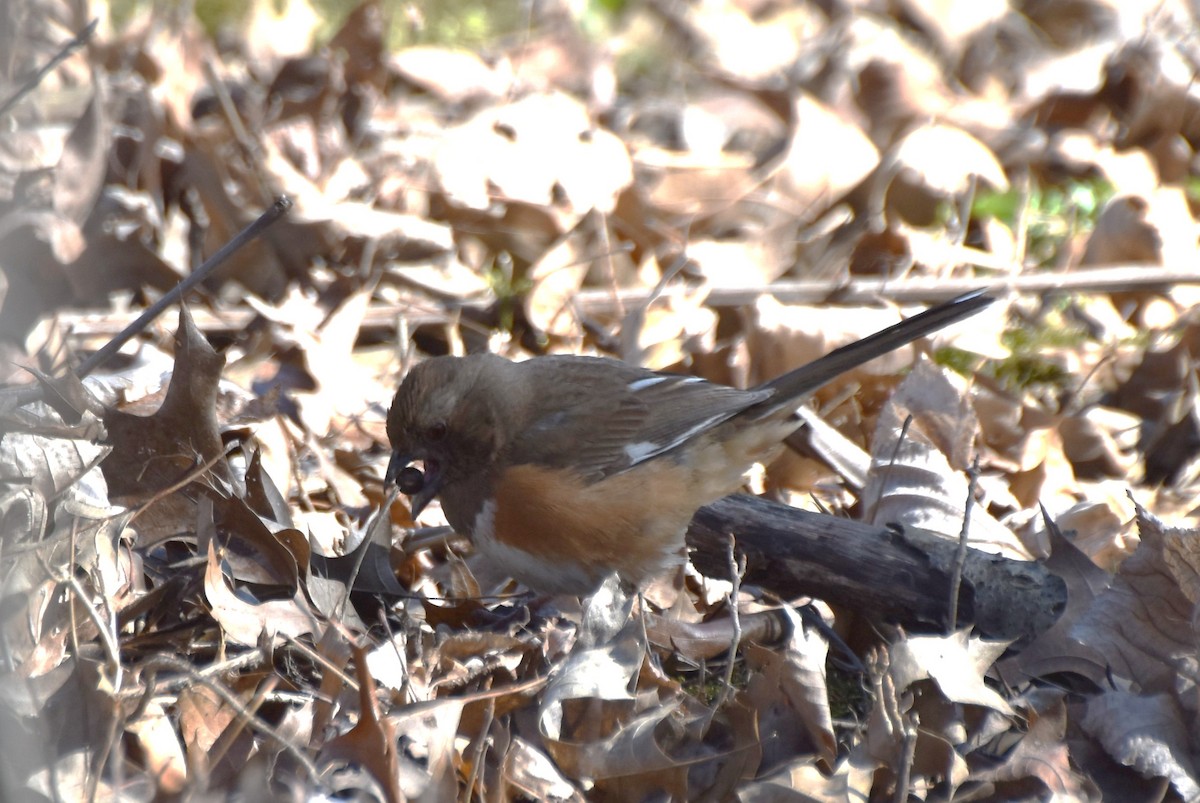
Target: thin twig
pixel 239 240
pixel 231 699
pixel 472 784
pixel 70 47
pixel 885 472
pixel 220 748
pixel 960 556
pixel 736 569
pixel 150 686
pixel 319 659
pixel 278 209
pixel 909 723
pixel 591 302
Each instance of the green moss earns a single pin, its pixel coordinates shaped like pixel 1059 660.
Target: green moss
pixel 847 697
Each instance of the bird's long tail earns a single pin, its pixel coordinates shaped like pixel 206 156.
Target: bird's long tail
pixel 808 378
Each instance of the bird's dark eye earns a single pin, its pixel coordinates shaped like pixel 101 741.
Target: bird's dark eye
pixel 410 480
pixel 436 431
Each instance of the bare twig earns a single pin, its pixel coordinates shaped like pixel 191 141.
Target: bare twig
pixel 151 668
pixel 242 238
pixel 960 557
pixel 239 240
pixel 737 568
pixel 385 317
pixel 70 47
pixel 204 677
pixel 319 659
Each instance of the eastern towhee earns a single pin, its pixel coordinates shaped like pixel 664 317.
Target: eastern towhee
pixel 562 470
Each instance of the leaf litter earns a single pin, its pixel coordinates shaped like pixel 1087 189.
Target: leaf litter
pixel 206 589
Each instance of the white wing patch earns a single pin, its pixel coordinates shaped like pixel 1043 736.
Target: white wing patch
pixel 637 452
pixel 651 381
pixel 644 450
pixel 648 382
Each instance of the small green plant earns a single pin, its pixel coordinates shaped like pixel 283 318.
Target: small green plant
pixel 508 288
pixel 1053 215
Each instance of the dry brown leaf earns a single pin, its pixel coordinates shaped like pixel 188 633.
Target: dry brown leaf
pixel 279 30
pixel 372 742
pixel 786 336
pixel 814 184
pixel 1088 442
pixel 556 277
pixel 244 621
pixel 155 733
pixel 541 150
pixel 694 184
pixel 957 663
pixel 80 174
pixel 1122 235
pixel 788 691
pixel 669 331
pixel 453 75
pixel 430 730
pixel 749 261
pixel 1055 651
pixel 203 717
pixel 150 453
pixel 1042 751
pixel 1143 623
pixel 933 165
pixel 530 772
pixel 1148 733
pixel 748 49
pixel 917 477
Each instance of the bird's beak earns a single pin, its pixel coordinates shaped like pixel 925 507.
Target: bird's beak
pixel 429 488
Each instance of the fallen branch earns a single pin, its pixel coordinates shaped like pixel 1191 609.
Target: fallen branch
pixel 896 575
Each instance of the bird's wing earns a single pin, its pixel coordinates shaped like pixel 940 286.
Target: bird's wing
pixel 608 416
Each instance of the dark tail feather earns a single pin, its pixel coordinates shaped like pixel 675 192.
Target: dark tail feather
pixel 810 377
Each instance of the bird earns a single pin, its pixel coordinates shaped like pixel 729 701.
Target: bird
pixel 563 470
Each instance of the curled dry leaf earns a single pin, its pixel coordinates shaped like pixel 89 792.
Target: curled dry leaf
pixel 917 474
pixel 788 690
pixel 1148 733
pixel 243 620
pixel 936 164
pixel 531 772
pixel 159 742
pixel 1042 751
